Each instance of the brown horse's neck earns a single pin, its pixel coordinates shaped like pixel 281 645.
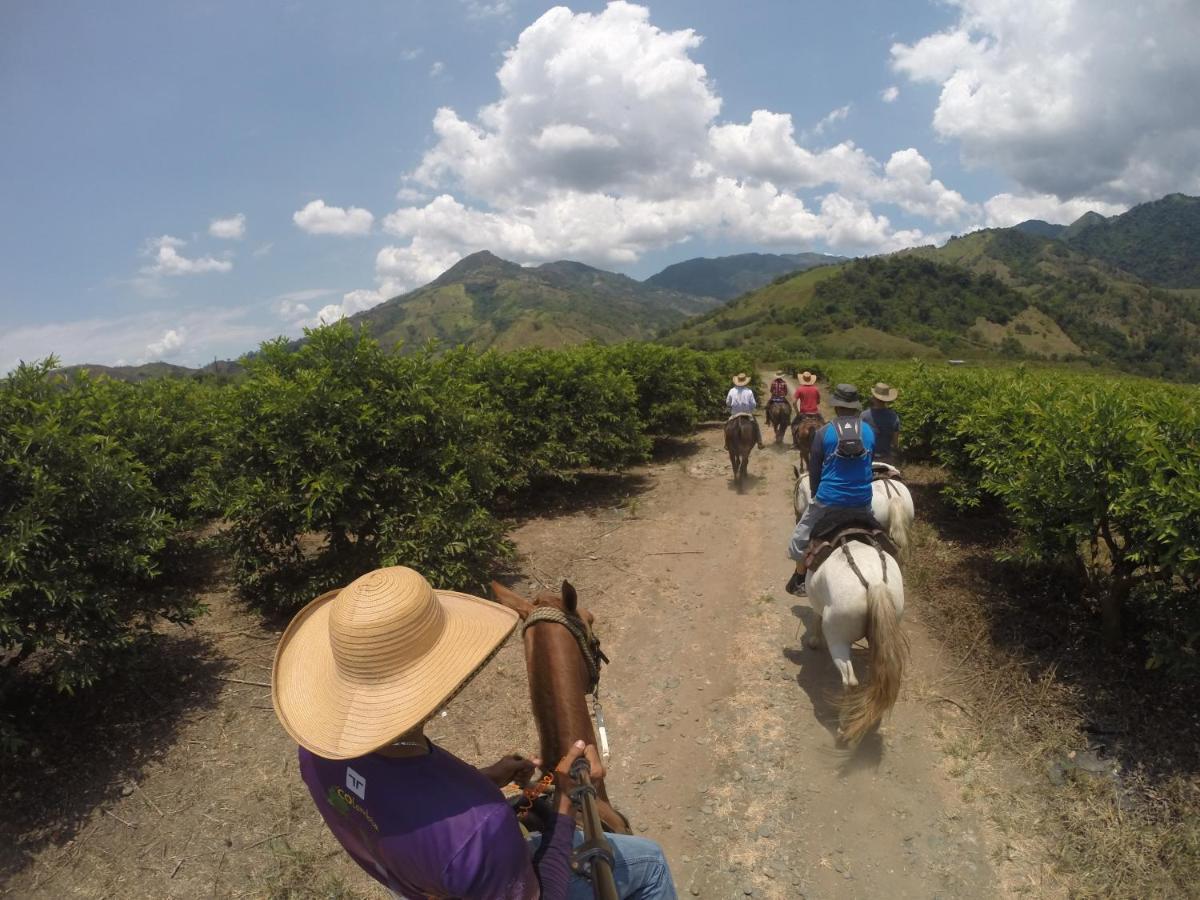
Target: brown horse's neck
pixel 558 685
pixel 558 689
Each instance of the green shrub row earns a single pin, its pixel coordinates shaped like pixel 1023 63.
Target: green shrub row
pixel 320 463
pixel 1099 472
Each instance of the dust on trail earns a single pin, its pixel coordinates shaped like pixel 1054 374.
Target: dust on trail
pixel 721 722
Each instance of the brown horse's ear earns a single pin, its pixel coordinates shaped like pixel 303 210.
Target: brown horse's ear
pixel 570 600
pixel 511 599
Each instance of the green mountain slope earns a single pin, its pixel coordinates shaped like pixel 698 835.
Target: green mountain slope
pixel 490 302
pixel 1158 242
pixel 726 277
pixel 999 292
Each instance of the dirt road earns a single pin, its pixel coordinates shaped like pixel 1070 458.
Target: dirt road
pixel 722 730
pixel 720 722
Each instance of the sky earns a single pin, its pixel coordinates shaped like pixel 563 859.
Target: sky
pixel 181 181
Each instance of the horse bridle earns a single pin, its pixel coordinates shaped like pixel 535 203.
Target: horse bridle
pixel 589 644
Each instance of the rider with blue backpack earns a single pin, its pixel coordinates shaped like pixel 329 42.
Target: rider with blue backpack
pixel 839 474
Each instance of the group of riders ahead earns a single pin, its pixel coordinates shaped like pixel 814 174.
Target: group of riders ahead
pixel 841 462
pixel 360 671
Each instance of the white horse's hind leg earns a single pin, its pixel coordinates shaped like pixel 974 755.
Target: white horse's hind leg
pixel 841 659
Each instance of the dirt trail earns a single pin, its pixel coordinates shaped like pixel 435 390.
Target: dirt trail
pixel 721 729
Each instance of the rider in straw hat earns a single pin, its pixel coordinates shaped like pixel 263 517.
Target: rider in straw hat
pixel 883 419
pixel 808 395
pixel 356 675
pixel 740 399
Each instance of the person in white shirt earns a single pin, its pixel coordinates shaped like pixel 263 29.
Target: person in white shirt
pixel 741 399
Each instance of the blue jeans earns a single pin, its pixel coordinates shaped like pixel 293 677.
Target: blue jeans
pixel 640 870
pixel 802 536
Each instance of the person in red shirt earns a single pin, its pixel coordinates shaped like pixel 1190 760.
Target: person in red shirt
pixel 808 395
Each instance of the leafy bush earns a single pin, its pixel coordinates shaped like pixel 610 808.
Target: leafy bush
pixel 341 458
pixel 1099 472
pixel 82 530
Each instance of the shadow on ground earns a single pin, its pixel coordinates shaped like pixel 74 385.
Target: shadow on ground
pixel 819 679
pixel 88 750
pixel 1037 616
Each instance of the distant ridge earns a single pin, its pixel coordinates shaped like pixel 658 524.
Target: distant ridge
pixel 726 277
pixel 1040 228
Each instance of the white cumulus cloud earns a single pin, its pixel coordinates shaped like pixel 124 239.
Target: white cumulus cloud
pixel 605 143
pixel 1074 98
pixel 232 228
pixel 171 340
pixel 317 218
pixel 168 261
pixel 889 94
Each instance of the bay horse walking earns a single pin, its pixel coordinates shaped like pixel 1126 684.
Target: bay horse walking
pixel 779 416
pixel 804 429
pixel 854 599
pixel 740 439
pixel 562 658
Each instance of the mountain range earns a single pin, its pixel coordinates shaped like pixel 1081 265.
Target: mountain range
pixel 1108 291
pixel 1122 291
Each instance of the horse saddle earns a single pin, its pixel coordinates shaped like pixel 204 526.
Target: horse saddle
pixel 881 471
pixel 780 400
pixel 840 526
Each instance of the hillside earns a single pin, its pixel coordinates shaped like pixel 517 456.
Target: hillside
pixel 489 302
pixel 1158 242
pixel 146 371
pixel 1001 292
pixel 726 277
pixel 1109 314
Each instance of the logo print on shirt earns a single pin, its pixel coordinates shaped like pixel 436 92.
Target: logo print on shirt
pixel 356 783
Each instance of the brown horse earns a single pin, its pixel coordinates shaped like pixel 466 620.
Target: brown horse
pixel 803 431
pixel 559 680
pixel 779 416
pixel 740 438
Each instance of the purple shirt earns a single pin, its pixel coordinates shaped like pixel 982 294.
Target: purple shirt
pixel 434 826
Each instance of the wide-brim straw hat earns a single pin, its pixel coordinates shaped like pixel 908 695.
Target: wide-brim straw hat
pixel 845 396
pixel 359 667
pixel 741 379
pixel 779 373
pixel 808 378
pixel 884 392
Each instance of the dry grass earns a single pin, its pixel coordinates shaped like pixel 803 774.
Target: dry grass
pixel 303 875
pixel 1032 694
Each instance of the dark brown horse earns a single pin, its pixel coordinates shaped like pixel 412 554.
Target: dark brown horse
pixel 779 416
pixel 741 436
pixel 803 431
pixel 559 681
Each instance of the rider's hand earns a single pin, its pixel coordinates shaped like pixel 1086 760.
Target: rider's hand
pixel 564 783
pixel 513 767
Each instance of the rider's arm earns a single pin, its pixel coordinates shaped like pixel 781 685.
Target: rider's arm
pixel 816 460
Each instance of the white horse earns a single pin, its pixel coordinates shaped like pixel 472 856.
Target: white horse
pixel 849 610
pixel 892 505
pixel 801 495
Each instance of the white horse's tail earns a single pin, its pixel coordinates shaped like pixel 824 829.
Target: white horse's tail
pixel 898 523
pixel 862 707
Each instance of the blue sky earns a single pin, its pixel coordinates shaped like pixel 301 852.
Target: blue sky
pixel 181 181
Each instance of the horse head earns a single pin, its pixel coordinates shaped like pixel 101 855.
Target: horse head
pixel 563 609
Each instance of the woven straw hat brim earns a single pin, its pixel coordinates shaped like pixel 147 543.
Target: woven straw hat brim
pixel 338 718
pixel 741 380
pixel 886 396
pixel 808 378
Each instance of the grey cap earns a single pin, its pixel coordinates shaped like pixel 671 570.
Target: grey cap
pixel 845 396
